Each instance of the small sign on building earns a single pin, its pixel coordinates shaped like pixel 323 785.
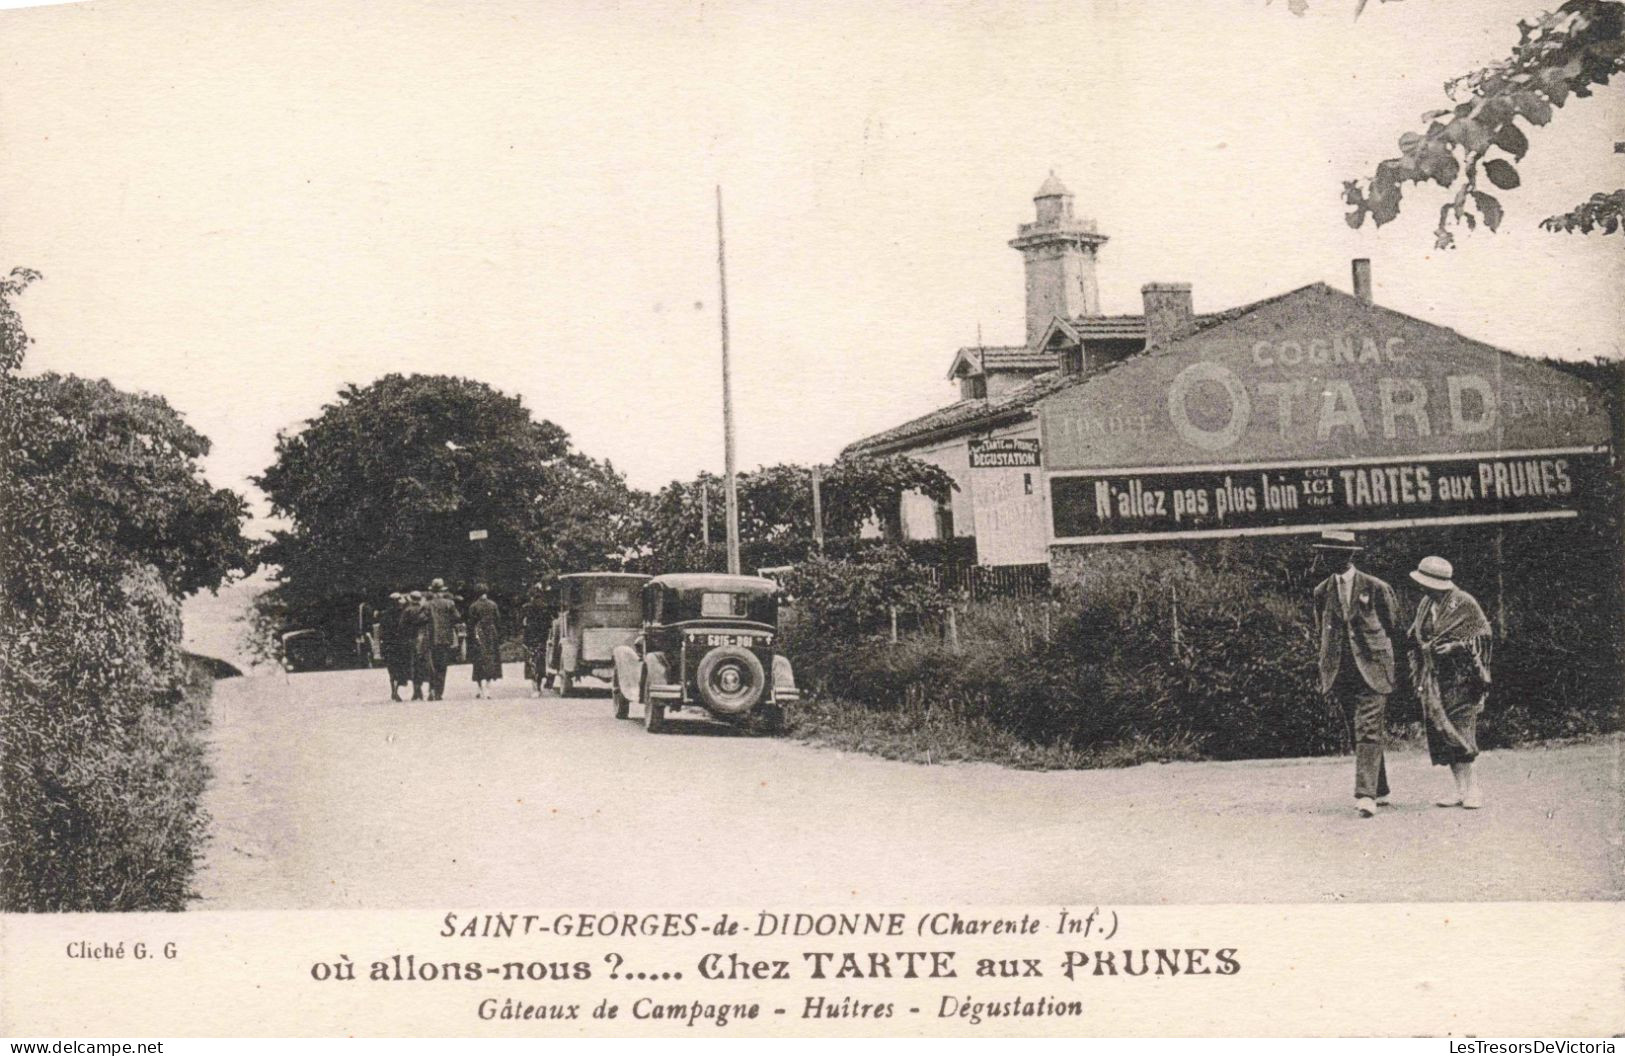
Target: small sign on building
pixel 1004 452
pixel 477 534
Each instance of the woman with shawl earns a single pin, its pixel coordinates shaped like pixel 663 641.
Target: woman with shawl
pixel 1450 668
pixel 485 641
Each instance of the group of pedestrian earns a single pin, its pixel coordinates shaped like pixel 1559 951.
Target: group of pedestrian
pixel 1447 653
pixel 418 637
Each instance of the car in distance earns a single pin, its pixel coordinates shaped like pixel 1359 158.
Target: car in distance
pixel 306 649
pixel 597 612
pixel 709 642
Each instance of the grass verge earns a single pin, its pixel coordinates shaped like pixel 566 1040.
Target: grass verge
pixel 923 734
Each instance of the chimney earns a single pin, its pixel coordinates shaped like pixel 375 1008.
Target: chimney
pixel 1362 279
pixel 1168 312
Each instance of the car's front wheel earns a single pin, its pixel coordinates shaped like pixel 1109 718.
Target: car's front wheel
pixel 623 707
pixel 567 685
pixel 654 717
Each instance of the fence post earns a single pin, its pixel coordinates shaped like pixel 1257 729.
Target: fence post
pixel 705 516
pixel 953 629
pixel 893 610
pixel 1174 590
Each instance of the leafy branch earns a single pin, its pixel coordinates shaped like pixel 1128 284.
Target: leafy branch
pixel 1559 55
pixel 14 341
pixel 1604 212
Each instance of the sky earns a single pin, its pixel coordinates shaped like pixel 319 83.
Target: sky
pixel 244 206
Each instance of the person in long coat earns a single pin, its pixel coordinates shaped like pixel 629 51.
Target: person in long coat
pixel 417 640
pixel 442 628
pixel 485 640
pixel 1355 623
pixel 536 618
pixel 395 645
pixel 1450 641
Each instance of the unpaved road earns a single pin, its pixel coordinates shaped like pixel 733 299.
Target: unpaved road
pixel 326 795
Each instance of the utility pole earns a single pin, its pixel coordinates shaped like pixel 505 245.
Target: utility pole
pixel 818 507
pixel 729 488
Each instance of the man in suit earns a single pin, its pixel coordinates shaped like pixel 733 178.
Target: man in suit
pixel 1355 620
pixel 443 618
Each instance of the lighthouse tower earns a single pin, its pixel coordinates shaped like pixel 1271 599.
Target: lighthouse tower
pixel 1059 250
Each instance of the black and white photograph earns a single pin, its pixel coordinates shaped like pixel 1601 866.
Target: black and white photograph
pixel 811 460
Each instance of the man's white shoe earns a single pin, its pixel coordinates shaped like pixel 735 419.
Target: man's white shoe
pixel 1366 807
pixel 1448 802
pixel 1472 801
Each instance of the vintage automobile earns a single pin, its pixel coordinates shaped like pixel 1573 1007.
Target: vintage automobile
pixel 709 642
pixel 306 650
pixel 597 612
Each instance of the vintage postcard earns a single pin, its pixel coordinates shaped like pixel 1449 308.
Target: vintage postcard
pixel 746 518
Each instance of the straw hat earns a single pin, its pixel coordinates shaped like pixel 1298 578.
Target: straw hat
pixel 437 584
pixel 1337 540
pixel 1434 572
pixel 416 595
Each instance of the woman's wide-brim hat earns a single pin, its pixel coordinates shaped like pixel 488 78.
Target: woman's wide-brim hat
pixel 1434 572
pixel 1337 541
pixel 437 584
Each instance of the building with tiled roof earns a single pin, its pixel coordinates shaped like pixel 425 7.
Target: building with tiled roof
pixel 1306 410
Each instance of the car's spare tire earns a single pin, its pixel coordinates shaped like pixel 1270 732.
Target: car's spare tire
pixel 730 679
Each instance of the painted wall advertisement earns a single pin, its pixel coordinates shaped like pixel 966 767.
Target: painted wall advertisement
pixel 1318 411
pixel 1270 499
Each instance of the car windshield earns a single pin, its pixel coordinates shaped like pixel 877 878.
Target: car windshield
pixel 716 604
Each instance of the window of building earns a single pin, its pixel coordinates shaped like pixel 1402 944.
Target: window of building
pixel 1072 360
pixel 945 520
pixel 1027 483
pixel 973 387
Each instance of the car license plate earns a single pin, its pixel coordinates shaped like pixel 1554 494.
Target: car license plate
pixel 748 640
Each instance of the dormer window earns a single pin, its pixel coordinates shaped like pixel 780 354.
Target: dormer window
pixel 973 386
pixel 1072 360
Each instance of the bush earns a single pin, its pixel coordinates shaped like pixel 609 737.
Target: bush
pixel 105 520
pixel 845 598
pixel 1161 652
pixel 104 769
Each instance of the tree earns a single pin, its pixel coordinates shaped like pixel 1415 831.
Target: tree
pixel 586 518
pixel 112 479
pixel 384 486
pixel 105 520
pixel 14 341
pixel 1561 55
pixel 97 482
pixel 775 502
